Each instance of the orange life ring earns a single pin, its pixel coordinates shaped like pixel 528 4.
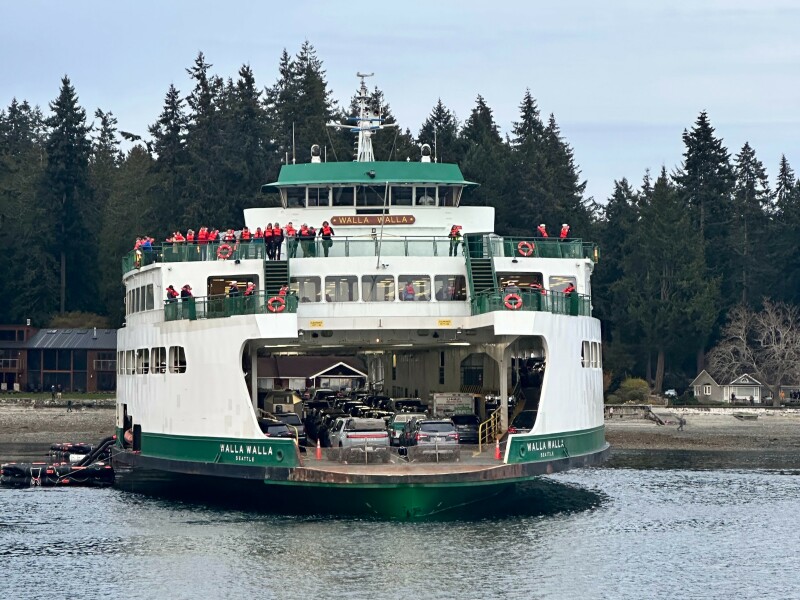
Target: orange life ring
pixel 513 306
pixel 276 304
pixel 525 248
pixel 224 252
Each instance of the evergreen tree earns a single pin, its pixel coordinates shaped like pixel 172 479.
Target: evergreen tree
pixel 487 161
pixel 665 284
pixel 785 231
pixel 69 200
pixel 28 270
pixel 169 145
pixel 752 198
pixel 440 132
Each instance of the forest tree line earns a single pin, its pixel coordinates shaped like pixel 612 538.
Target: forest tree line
pixel 679 250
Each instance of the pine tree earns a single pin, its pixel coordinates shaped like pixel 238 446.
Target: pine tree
pixel 665 284
pixel 752 202
pixel 440 132
pixel 28 269
pixel 784 233
pixel 169 145
pixel 69 199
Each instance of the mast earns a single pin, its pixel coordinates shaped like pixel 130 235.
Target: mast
pixel 367 122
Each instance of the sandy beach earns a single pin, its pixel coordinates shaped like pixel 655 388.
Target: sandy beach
pixel 27 432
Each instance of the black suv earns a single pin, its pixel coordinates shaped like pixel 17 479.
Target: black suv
pixel 467 427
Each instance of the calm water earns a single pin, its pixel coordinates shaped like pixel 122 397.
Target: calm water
pixel 629 532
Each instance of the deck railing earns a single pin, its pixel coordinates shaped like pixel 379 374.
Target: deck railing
pixel 346 246
pixel 221 306
pixel 553 302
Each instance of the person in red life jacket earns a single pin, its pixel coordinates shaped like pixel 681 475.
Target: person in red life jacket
pixel 291 241
pixel 268 241
pixel 250 290
pixel 277 240
pixel 190 236
pixel 186 292
pixel 178 238
pixel 312 241
pixel 229 237
pixel 302 237
pixel 537 287
pixel 258 235
pixel 455 239
pixel 138 243
pixel 284 290
pixel 564 232
pixel 326 233
pixel 541 231
pixel 569 289
pixel 172 294
pixel 202 235
pixel 409 291
pixel 245 236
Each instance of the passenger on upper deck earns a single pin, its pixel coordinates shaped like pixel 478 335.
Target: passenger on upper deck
pixel 277 240
pixel 512 288
pixel 268 241
pixel 569 289
pixel 233 290
pixel 245 235
pixel 186 292
pixel 284 290
pixel 291 241
pixel 541 231
pixel 564 232
pixel 172 294
pixel 455 239
pixel 326 233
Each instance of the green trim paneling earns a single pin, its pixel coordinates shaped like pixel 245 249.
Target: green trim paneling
pixel 369 173
pixel 539 448
pixel 261 452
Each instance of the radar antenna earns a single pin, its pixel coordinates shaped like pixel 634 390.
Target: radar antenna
pixel 367 122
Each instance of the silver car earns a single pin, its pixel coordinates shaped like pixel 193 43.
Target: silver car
pixel 435 440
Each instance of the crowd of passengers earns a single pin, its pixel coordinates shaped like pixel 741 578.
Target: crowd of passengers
pixel 272 237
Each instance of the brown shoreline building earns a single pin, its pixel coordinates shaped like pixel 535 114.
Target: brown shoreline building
pixel 79 360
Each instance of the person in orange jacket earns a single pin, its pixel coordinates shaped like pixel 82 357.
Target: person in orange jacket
pixel 291 241
pixel 268 241
pixel 564 232
pixel 277 240
pixel 326 233
pixel 541 231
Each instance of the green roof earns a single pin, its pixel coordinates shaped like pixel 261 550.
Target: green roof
pixel 338 173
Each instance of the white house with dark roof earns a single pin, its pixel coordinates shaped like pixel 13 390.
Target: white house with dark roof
pixel 706 389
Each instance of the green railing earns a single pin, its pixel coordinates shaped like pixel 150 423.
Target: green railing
pixel 530 247
pixel 358 246
pixel 553 302
pixel 217 307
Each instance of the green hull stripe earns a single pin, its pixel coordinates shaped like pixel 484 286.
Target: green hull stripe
pixel 259 452
pixel 539 448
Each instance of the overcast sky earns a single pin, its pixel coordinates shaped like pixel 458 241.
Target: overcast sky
pixel 624 78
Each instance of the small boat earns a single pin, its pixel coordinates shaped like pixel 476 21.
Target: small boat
pixel 745 416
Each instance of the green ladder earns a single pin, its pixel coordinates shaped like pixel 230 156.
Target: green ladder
pixel 276 275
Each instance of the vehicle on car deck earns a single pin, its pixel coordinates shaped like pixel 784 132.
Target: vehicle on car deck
pixel 434 440
pixel 467 427
pixel 361 439
pixel 295 423
pixel 523 422
pixel 274 428
pixel 397 425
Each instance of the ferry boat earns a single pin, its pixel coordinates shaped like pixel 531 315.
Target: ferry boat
pixel 426 311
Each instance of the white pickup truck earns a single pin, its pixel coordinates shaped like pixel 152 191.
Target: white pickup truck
pixel 361 440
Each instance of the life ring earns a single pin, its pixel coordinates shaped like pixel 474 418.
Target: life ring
pixel 515 305
pixel 525 248
pixel 276 304
pixel 224 252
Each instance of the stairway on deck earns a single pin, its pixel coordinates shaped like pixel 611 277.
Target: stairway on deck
pixel 482 275
pixel 276 275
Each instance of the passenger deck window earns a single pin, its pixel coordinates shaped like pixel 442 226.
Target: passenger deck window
pixel 159 361
pixel 377 288
pixel 142 361
pixel 130 365
pixel 426 196
pixel 177 359
pixel 307 289
pixel 450 288
pixel 341 288
pixel 415 287
pixel 295 197
pixel 150 301
pixel 585 354
pixel 369 195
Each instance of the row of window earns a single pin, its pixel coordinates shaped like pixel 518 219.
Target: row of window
pixel 139 299
pixel 591 355
pixel 372 195
pixel 380 288
pixel 155 361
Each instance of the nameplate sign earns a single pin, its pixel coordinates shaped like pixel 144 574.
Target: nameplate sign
pixel 374 220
